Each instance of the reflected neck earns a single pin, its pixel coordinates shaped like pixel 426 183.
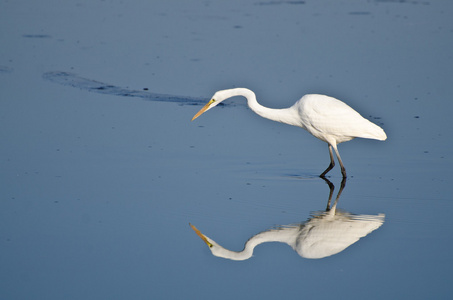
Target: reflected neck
pixel 282 235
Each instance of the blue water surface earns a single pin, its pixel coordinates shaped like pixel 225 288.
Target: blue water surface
pixel 101 169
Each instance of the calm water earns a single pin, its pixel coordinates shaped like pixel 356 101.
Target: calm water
pixel 101 169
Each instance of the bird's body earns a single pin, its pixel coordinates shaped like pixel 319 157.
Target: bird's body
pixel 326 118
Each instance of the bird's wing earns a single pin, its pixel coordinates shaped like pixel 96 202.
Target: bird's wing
pixel 323 115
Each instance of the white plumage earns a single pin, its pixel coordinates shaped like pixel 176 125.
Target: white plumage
pixel 323 235
pixel 326 118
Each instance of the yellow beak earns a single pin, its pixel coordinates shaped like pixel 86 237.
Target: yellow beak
pixel 203 109
pixel 201 235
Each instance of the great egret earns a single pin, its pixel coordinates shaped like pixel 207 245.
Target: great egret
pixel 324 234
pixel 326 118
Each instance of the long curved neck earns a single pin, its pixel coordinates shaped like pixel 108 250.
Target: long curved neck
pixel 285 115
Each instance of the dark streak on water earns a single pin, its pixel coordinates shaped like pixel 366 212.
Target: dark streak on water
pixel 280 2
pixel 5 69
pixel 37 36
pixel 73 80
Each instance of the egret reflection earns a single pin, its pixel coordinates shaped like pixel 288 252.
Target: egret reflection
pixel 325 233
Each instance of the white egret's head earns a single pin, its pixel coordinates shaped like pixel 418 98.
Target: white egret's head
pixel 212 103
pixel 219 251
pixel 218 97
pixel 205 239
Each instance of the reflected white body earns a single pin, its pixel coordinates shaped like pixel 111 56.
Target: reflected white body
pixel 323 235
pixel 326 118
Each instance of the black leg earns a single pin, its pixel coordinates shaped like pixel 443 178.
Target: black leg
pixel 332 163
pixel 331 189
pixel 343 184
pixel 343 169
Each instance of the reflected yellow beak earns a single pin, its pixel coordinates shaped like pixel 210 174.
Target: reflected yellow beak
pixel 203 109
pixel 201 235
